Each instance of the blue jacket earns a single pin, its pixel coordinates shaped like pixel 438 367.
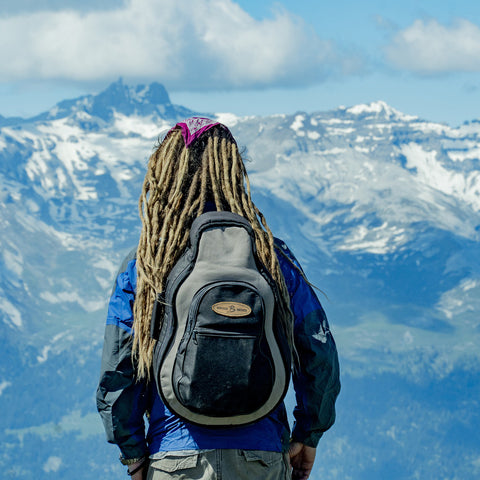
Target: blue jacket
pixel 124 403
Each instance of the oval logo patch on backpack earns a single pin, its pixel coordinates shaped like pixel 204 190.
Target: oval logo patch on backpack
pixel 220 359
pixel 232 309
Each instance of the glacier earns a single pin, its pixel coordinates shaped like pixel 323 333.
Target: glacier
pixel 381 208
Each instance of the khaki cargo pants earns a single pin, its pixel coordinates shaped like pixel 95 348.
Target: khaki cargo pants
pixel 220 465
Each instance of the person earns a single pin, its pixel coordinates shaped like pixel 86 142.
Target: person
pixel 195 169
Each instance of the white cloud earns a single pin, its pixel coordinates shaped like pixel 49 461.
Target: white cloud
pixel 192 44
pixel 9 8
pixel 432 48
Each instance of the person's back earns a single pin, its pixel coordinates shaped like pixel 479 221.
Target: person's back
pixel 197 168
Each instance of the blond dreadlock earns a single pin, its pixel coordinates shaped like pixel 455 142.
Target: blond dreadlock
pixel 178 183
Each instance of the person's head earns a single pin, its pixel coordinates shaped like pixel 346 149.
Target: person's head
pixel 197 166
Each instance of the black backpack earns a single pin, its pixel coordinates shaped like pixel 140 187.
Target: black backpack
pixel 221 358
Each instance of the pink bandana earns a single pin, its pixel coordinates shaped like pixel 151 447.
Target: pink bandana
pixel 192 128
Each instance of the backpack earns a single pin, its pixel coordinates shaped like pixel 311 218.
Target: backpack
pixel 221 358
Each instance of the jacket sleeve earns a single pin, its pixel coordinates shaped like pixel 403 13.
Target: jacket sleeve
pixel 316 378
pixel 121 399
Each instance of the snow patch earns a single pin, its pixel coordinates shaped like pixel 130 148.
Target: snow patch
pixel 62 179
pixel 377 108
pixel 362 149
pixel 143 126
pixel 461 156
pixel 228 119
pixel 43 357
pixel 3 386
pixel 331 151
pixel 32 206
pixel 13 262
pixel 72 297
pixel 85 426
pixel 379 240
pixel 437 128
pixel 469 285
pixel 139 96
pixel 408 337
pixel 336 121
pixel 11 313
pixel 336 131
pixel 297 125
pixel 460 306
pixel 52 464
pixel 374 107
pixel 430 171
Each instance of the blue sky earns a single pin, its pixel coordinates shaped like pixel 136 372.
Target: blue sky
pixel 248 57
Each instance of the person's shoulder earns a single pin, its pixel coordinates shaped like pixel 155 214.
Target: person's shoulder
pixel 132 255
pixel 289 265
pixel 281 245
pixel 284 252
pixel 126 274
pixel 129 261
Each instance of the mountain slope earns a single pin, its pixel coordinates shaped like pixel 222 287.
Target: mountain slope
pixel 381 208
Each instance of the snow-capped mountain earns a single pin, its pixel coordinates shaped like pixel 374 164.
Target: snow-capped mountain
pixel 382 209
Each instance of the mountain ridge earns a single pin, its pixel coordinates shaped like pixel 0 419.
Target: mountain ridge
pixel 152 99
pixel 145 99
